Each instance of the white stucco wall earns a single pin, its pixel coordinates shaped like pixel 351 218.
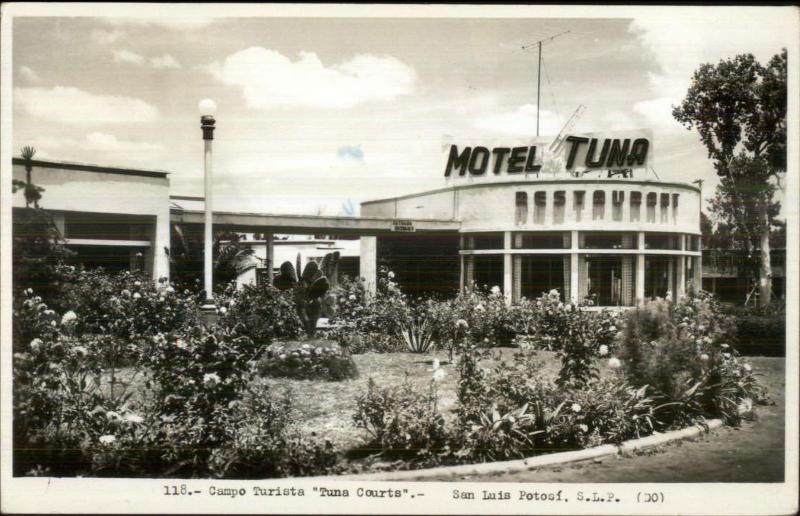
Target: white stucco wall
pixel 105 190
pixel 492 207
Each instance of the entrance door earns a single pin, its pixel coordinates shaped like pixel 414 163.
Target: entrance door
pixel 605 280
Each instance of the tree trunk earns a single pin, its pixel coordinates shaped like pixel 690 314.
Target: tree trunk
pixel 765 271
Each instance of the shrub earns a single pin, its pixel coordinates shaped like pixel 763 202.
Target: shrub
pixel 32 319
pixel 61 410
pixel 128 305
pixel 362 324
pixel 760 330
pixel 402 421
pixel 262 313
pixel 196 377
pixel 417 331
pixel 681 351
pixel 266 443
pixel 318 360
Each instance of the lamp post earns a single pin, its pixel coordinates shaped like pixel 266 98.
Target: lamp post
pixel 208 108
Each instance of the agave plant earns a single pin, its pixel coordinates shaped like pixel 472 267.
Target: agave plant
pixel 418 334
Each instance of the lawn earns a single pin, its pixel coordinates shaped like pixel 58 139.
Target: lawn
pixel 327 407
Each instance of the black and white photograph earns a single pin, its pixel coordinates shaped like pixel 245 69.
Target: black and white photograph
pixel 450 259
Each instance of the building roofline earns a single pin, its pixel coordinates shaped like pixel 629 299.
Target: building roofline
pixel 535 182
pixel 69 165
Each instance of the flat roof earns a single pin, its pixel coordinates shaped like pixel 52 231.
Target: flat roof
pixel 311 224
pixel 70 165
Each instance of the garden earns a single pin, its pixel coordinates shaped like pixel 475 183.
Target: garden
pixel 116 376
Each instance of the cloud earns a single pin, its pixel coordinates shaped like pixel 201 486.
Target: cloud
pixel 165 61
pixel 269 79
pixel 106 37
pixel 76 107
pixel 657 113
pixel 29 75
pixel 521 122
pixel 171 22
pixel 680 43
pixel 108 142
pixel 126 56
pixel 348 151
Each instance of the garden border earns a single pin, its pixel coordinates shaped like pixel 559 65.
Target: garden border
pixel 538 461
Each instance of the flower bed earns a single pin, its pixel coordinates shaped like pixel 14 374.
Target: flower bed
pixel 307 360
pixel 212 402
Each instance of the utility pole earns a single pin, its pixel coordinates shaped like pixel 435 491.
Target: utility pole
pixel 539 72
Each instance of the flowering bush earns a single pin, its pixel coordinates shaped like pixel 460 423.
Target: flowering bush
pixel 402 421
pixel 32 319
pixel 62 407
pixel 481 315
pixel 681 350
pixel 318 360
pixel 197 377
pixel 267 444
pixel 363 324
pixel 128 305
pixel 263 313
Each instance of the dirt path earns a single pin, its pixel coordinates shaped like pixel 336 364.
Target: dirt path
pixel 752 453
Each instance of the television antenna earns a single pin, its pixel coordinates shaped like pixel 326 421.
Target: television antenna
pixel 539 44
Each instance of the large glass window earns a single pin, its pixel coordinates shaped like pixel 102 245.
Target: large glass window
pixel 484 241
pixel 106 226
pixel 665 241
pixel 542 274
pixel 607 240
pixel 692 243
pixel 488 271
pixel 542 240
pixel 610 279
pixel 658 275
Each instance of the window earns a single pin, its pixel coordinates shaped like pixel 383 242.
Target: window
pixel 608 240
pixel 665 241
pixel 521 216
pixel 488 271
pixel 484 241
pixel 559 201
pixel 541 274
pixel 578 196
pixel 636 205
pixel 598 204
pixel 675 208
pixel 540 206
pixel 652 200
pixel 542 240
pixel 617 199
pixel 664 207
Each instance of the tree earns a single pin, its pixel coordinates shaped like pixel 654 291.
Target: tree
pixel 229 253
pixel 738 108
pixel 38 246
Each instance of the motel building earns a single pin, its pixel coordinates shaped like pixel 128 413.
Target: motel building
pixel 582 214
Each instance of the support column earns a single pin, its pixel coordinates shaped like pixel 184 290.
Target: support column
pixel 508 265
pixel 270 257
pixel 368 263
pixel 161 243
pixel 680 289
pixel 574 278
pixel 698 272
pixel 640 267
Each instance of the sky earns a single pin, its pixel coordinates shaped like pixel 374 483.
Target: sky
pixel 318 114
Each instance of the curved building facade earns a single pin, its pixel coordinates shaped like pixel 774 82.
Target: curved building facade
pixel 611 240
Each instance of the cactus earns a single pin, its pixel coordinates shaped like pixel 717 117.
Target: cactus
pixel 330 267
pixel 286 278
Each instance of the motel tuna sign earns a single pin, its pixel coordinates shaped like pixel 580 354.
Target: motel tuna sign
pixel 579 153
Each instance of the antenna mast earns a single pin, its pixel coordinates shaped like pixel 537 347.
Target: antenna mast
pixel 539 72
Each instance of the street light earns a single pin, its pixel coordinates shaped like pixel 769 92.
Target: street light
pixel 208 108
